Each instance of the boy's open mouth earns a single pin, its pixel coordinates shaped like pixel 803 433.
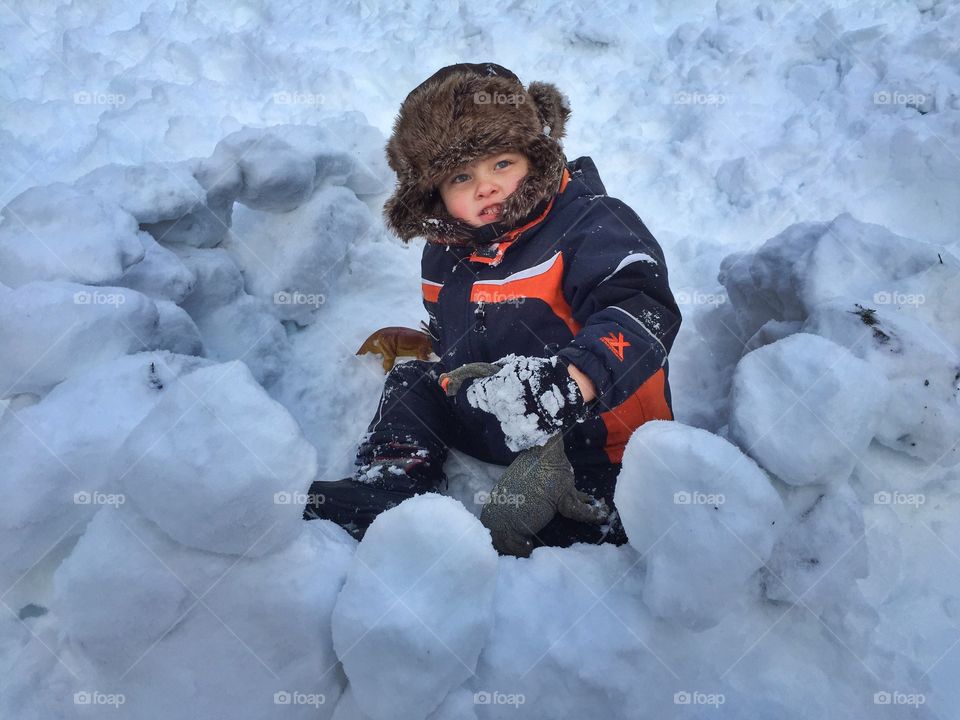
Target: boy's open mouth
pixel 491 211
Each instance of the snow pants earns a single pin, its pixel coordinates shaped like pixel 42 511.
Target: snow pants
pixel 416 419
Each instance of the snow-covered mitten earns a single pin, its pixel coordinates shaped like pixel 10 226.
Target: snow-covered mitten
pixel 532 397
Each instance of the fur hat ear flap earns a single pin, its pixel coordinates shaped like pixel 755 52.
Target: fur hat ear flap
pixel 553 107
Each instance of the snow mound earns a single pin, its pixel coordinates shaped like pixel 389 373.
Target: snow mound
pixel 805 408
pixel 291 260
pixel 922 415
pixel 151 192
pixel 218 465
pixel 233 324
pixel 819 556
pixel 55 475
pixel 135 605
pixel 160 274
pixel 57 233
pixel 50 330
pixel 705 520
pixel 420 588
pixel 810 263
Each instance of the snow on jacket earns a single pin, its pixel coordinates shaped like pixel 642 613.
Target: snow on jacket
pixel 586 281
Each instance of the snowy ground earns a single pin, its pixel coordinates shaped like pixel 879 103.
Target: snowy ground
pixel 191 251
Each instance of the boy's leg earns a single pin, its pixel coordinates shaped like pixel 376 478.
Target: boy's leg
pixel 600 481
pixel 401 455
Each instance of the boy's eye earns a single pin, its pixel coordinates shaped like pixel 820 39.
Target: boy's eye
pixel 508 162
pixel 456 178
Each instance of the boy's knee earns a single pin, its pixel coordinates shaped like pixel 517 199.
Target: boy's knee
pixel 413 370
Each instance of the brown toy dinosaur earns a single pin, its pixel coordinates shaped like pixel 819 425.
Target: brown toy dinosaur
pixel 536 486
pixel 393 342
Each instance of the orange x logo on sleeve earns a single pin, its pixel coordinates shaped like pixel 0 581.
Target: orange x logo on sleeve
pixel 615 344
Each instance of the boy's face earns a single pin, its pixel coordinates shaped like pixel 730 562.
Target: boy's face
pixel 474 193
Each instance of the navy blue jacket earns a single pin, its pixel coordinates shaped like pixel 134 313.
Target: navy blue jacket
pixel 586 281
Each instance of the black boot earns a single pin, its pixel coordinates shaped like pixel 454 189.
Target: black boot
pixel 354 502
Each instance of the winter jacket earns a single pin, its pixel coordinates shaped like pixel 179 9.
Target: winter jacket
pixel 586 281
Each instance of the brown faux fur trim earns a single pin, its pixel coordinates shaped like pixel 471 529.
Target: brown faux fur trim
pixel 457 118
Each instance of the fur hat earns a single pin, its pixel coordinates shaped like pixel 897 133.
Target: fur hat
pixel 462 113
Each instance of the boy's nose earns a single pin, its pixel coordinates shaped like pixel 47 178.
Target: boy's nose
pixel 485 190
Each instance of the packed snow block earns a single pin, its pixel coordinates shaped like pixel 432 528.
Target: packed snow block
pixel 460 704
pixel 135 605
pixel 821 551
pixel 814 262
pixel 703 515
pixel 115 603
pixel 56 452
pixel 421 589
pixel 151 192
pixel 176 330
pixel 214 185
pixel 160 275
pixel 57 233
pixel 246 330
pixel 217 462
pixel 576 612
pixel 922 414
pixel 806 408
pixel 232 324
pixel 275 176
pixel 217 279
pixel 51 330
pixel 281 166
pixel 291 260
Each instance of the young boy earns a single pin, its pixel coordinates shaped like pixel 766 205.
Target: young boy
pixel 527 262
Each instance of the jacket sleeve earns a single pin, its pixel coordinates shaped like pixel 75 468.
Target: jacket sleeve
pixel 615 280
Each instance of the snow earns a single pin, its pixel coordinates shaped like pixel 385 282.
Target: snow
pixel 218 465
pixel 418 591
pixel 54 475
pixel 290 259
pixel 504 396
pixel 57 233
pixel 701 513
pixel 49 330
pixel 805 392
pixel 173 172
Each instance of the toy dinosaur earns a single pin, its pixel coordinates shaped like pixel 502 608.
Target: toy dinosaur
pixel 536 486
pixel 392 342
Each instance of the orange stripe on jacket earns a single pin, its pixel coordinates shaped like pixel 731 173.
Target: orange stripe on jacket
pixel 546 286
pixel 431 290
pixel 648 403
